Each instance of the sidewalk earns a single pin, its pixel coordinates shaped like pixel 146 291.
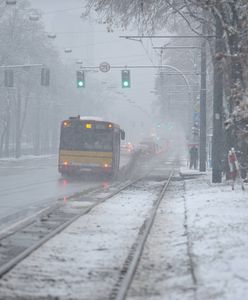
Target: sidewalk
pixel 218 228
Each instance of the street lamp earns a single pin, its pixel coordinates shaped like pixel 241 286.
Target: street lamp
pixel 34 18
pixel 67 50
pixel 51 35
pixel 10 2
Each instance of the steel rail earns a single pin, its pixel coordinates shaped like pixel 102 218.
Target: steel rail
pixel 129 275
pixel 17 259
pixel 27 220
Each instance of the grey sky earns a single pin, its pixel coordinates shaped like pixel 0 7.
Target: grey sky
pixel 91 43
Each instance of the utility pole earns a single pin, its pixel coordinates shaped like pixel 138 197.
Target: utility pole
pixel 217 142
pixel 203 97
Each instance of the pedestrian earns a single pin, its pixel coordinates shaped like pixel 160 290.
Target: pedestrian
pixel 234 168
pixel 193 155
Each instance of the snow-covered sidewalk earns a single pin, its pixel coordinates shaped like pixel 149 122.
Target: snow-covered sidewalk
pixel 218 230
pixel 198 245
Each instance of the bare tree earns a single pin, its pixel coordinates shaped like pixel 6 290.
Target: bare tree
pixel 232 15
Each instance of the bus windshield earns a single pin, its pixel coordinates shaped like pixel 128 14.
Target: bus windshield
pixel 86 139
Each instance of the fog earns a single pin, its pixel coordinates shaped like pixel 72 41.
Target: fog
pixel 58 36
pixel 135 108
pixel 54 36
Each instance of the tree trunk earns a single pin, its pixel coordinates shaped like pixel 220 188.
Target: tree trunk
pixel 37 132
pixel 2 141
pixel 18 127
pixel 7 133
pixel 217 142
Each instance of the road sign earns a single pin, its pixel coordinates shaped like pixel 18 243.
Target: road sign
pixel 104 67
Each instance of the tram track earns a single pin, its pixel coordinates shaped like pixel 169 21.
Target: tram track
pixel 22 217
pixel 24 238
pixel 129 268
pixel 32 272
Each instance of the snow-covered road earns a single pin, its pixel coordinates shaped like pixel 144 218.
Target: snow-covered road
pixel 29 184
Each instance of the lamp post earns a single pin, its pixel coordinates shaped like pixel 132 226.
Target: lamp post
pixel 217 142
pixel 51 36
pixel 202 146
pixel 10 2
pixel 181 73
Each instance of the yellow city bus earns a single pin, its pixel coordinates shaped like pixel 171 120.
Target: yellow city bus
pixel 89 145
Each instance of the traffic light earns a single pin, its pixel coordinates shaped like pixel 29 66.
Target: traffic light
pixel 8 78
pixel 80 79
pixel 125 78
pixel 45 77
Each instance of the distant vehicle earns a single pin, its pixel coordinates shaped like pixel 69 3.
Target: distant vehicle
pixel 127 148
pixel 89 145
pixel 148 147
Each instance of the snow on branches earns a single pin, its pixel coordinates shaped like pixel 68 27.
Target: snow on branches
pixel 231 14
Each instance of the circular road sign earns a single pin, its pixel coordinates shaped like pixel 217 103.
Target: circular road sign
pixel 104 66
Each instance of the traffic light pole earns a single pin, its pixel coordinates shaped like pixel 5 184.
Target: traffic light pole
pixel 217 142
pixel 203 98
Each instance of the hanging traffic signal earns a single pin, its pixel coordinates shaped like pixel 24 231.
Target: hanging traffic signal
pixel 80 79
pixel 8 78
pixel 45 77
pixel 125 78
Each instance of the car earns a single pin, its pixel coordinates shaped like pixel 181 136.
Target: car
pixel 148 147
pixel 127 148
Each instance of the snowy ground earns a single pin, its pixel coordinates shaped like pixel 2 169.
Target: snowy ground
pixel 84 261
pixel 218 228
pixel 198 245
pixel 164 270
pixel 197 248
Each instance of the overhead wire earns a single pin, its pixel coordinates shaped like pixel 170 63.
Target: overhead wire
pixel 77 32
pixel 61 10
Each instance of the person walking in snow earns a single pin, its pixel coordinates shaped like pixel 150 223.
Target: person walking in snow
pixel 234 168
pixel 193 155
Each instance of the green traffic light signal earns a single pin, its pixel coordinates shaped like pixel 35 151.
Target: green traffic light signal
pixel 80 79
pixel 80 83
pixel 125 78
pixel 125 83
